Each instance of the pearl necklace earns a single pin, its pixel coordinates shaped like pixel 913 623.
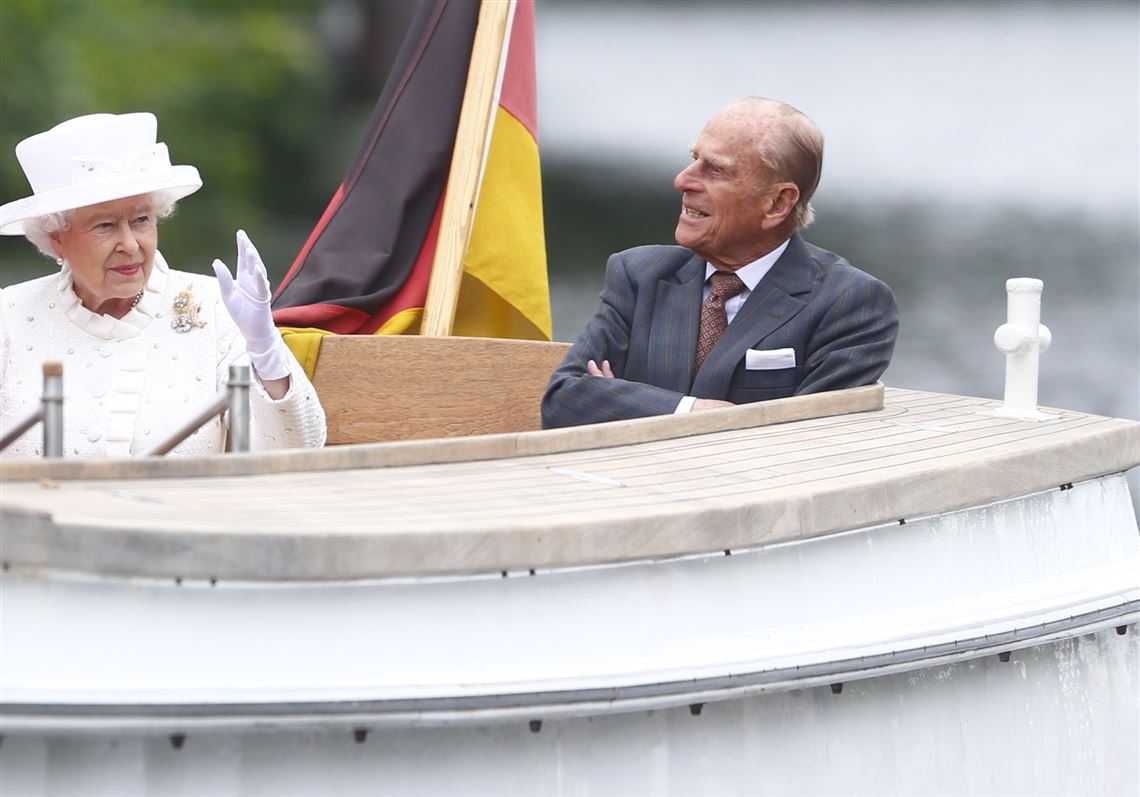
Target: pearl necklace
pixel 138 298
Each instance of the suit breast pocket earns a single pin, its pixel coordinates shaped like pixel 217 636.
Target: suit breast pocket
pixel 751 386
pixel 771 379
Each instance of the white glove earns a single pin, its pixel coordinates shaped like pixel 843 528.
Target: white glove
pixel 247 301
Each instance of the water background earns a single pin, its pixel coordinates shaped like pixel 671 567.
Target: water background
pixel 966 143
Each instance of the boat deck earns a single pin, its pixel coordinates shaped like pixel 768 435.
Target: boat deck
pixel 389 510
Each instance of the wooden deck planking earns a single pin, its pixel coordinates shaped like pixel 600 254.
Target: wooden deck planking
pixel 521 487
pixel 464 449
pixel 783 452
pixel 922 453
pixel 674 469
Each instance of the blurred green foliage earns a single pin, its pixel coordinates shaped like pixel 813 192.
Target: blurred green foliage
pixel 242 90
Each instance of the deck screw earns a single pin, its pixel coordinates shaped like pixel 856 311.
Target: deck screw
pixel 696 708
pixel 360 735
pixel 177 740
pixel 535 726
pixel 836 688
pixel 1003 656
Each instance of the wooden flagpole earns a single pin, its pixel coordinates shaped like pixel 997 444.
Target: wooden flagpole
pixel 476 120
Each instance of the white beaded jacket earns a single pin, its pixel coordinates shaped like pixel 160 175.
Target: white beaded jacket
pixel 129 383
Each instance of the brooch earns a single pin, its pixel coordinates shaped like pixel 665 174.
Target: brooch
pixel 186 311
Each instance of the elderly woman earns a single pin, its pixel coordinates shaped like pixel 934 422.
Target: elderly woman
pixel 143 346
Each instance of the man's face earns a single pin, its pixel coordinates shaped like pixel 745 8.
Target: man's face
pixel 722 206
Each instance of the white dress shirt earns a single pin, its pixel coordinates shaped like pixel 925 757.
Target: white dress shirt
pixel 750 275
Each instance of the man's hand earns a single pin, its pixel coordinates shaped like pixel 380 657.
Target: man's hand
pixel 605 371
pixel 700 405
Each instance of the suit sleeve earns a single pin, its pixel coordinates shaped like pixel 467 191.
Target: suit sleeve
pixel 853 342
pixel 573 397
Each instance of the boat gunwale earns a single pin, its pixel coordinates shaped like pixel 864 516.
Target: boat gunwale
pixel 37 537
pixel 436 451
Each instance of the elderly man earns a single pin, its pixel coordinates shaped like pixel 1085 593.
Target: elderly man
pixel 744 309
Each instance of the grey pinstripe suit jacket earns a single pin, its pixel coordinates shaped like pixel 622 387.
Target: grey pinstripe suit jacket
pixel 840 321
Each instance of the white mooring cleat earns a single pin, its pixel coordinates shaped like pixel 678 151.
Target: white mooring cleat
pixel 1022 339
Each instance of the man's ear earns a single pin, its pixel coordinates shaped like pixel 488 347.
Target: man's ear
pixel 783 202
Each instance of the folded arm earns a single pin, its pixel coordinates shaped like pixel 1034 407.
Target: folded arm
pixel 574 396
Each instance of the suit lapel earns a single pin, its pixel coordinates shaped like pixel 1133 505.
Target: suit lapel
pixel 676 316
pixel 770 306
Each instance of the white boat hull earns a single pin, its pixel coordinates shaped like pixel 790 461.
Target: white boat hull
pixel 1056 719
pixel 868 661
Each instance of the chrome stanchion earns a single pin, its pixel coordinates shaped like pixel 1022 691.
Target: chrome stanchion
pixel 238 385
pixel 216 405
pixel 52 408
pixel 50 412
pixel 235 399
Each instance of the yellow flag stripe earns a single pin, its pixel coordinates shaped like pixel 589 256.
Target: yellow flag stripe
pixel 305 343
pixel 405 322
pixel 507 253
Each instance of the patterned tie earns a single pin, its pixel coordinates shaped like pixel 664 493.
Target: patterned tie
pixel 714 322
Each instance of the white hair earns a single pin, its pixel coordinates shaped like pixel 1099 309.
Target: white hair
pixel 41 229
pixel 793 151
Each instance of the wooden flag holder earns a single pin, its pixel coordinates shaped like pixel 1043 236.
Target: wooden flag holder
pixel 476 122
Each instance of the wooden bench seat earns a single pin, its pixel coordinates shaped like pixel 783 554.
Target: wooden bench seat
pixel 397 387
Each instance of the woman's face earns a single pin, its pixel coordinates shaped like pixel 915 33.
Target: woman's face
pixel 110 248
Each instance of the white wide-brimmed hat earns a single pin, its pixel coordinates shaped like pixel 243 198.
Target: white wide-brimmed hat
pixel 93 159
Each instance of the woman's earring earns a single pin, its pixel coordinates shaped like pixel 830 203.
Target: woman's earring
pixel 59 261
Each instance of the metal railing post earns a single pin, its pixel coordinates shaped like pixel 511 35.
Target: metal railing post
pixel 238 385
pixel 52 408
pixel 50 412
pixel 235 399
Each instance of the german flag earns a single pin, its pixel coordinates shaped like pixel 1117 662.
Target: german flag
pixel 366 266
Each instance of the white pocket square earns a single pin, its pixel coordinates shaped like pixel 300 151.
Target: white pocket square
pixel 769 359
